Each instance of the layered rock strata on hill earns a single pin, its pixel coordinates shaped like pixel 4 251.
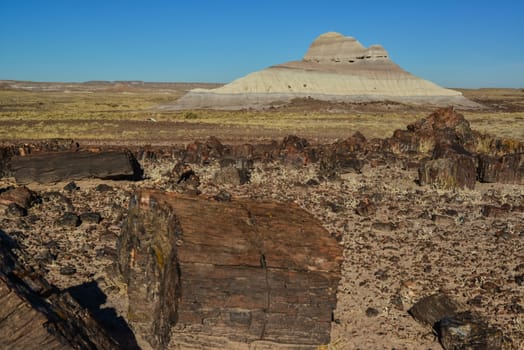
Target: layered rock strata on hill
pixel 35 315
pixel 199 270
pixel 335 68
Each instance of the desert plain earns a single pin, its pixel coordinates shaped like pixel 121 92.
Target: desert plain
pixel 401 239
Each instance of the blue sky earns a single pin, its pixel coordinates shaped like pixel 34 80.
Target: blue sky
pixel 451 42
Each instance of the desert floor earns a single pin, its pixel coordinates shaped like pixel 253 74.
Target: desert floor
pixel 418 241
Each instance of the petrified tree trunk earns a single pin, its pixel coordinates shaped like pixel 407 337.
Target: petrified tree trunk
pixel 34 315
pixel 245 271
pixel 506 169
pixel 64 166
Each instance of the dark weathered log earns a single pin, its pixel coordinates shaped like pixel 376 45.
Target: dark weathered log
pixel 35 315
pixel 242 270
pixel 448 173
pixel 467 330
pixel 506 169
pixel 457 329
pixel 66 166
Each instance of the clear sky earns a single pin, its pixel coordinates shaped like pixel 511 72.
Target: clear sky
pixel 455 43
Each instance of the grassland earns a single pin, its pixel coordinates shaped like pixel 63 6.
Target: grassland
pixel 117 114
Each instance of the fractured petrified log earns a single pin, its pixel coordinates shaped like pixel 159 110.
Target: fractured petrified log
pixel 467 330
pixel 65 166
pixel 21 196
pixel 35 315
pixel 242 270
pixel 444 125
pixel 448 173
pixel 506 169
pixel 457 329
pixel 451 166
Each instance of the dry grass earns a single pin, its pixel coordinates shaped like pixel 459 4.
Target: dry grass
pixel 123 116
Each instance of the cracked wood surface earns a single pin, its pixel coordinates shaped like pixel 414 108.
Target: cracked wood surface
pixel 247 271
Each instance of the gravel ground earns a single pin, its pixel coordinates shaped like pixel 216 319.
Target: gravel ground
pixel 401 242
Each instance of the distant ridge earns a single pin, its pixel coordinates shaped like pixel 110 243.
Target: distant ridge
pixel 335 68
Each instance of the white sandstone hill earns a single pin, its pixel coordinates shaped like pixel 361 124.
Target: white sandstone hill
pixel 335 68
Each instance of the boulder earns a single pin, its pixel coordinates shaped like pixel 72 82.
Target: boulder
pixel 231 176
pixel 342 157
pixel 21 196
pixel 296 151
pixel 456 327
pixel 240 270
pixel 66 166
pixel 467 330
pixel 203 152
pixel 432 308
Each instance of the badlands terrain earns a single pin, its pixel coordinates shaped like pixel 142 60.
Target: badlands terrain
pixel 403 235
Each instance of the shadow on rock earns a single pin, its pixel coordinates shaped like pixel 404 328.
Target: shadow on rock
pixel 90 296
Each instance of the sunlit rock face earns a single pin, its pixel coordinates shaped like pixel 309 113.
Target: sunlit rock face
pixel 335 68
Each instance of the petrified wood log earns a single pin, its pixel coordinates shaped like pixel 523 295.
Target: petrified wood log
pixel 467 330
pixel 457 329
pixel 506 169
pixel 35 315
pixel 65 166
pixel 242 270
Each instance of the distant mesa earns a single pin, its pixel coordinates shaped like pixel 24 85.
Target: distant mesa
pixel 336 68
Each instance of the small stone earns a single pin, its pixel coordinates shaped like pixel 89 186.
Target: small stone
pixel 365 208
pixel 384 226
pixel 490 287
pixel 14 209
pixel 92 218
pixel 519 279
pixel 371 312
pixel 381 275
pixel 334 207
pixel 103 188
pixel 67 270
pixel 69 219
pixel 231 176
pixel 396 301
pixel 312 182
pixel 223 196
pixel 476 301
pixel 71 187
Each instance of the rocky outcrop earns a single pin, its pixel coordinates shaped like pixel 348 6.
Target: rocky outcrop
pixel 237 270
pixel 444 126
pixel 66 166
pixel 458 155
pixel 35 315
pixel 335 68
